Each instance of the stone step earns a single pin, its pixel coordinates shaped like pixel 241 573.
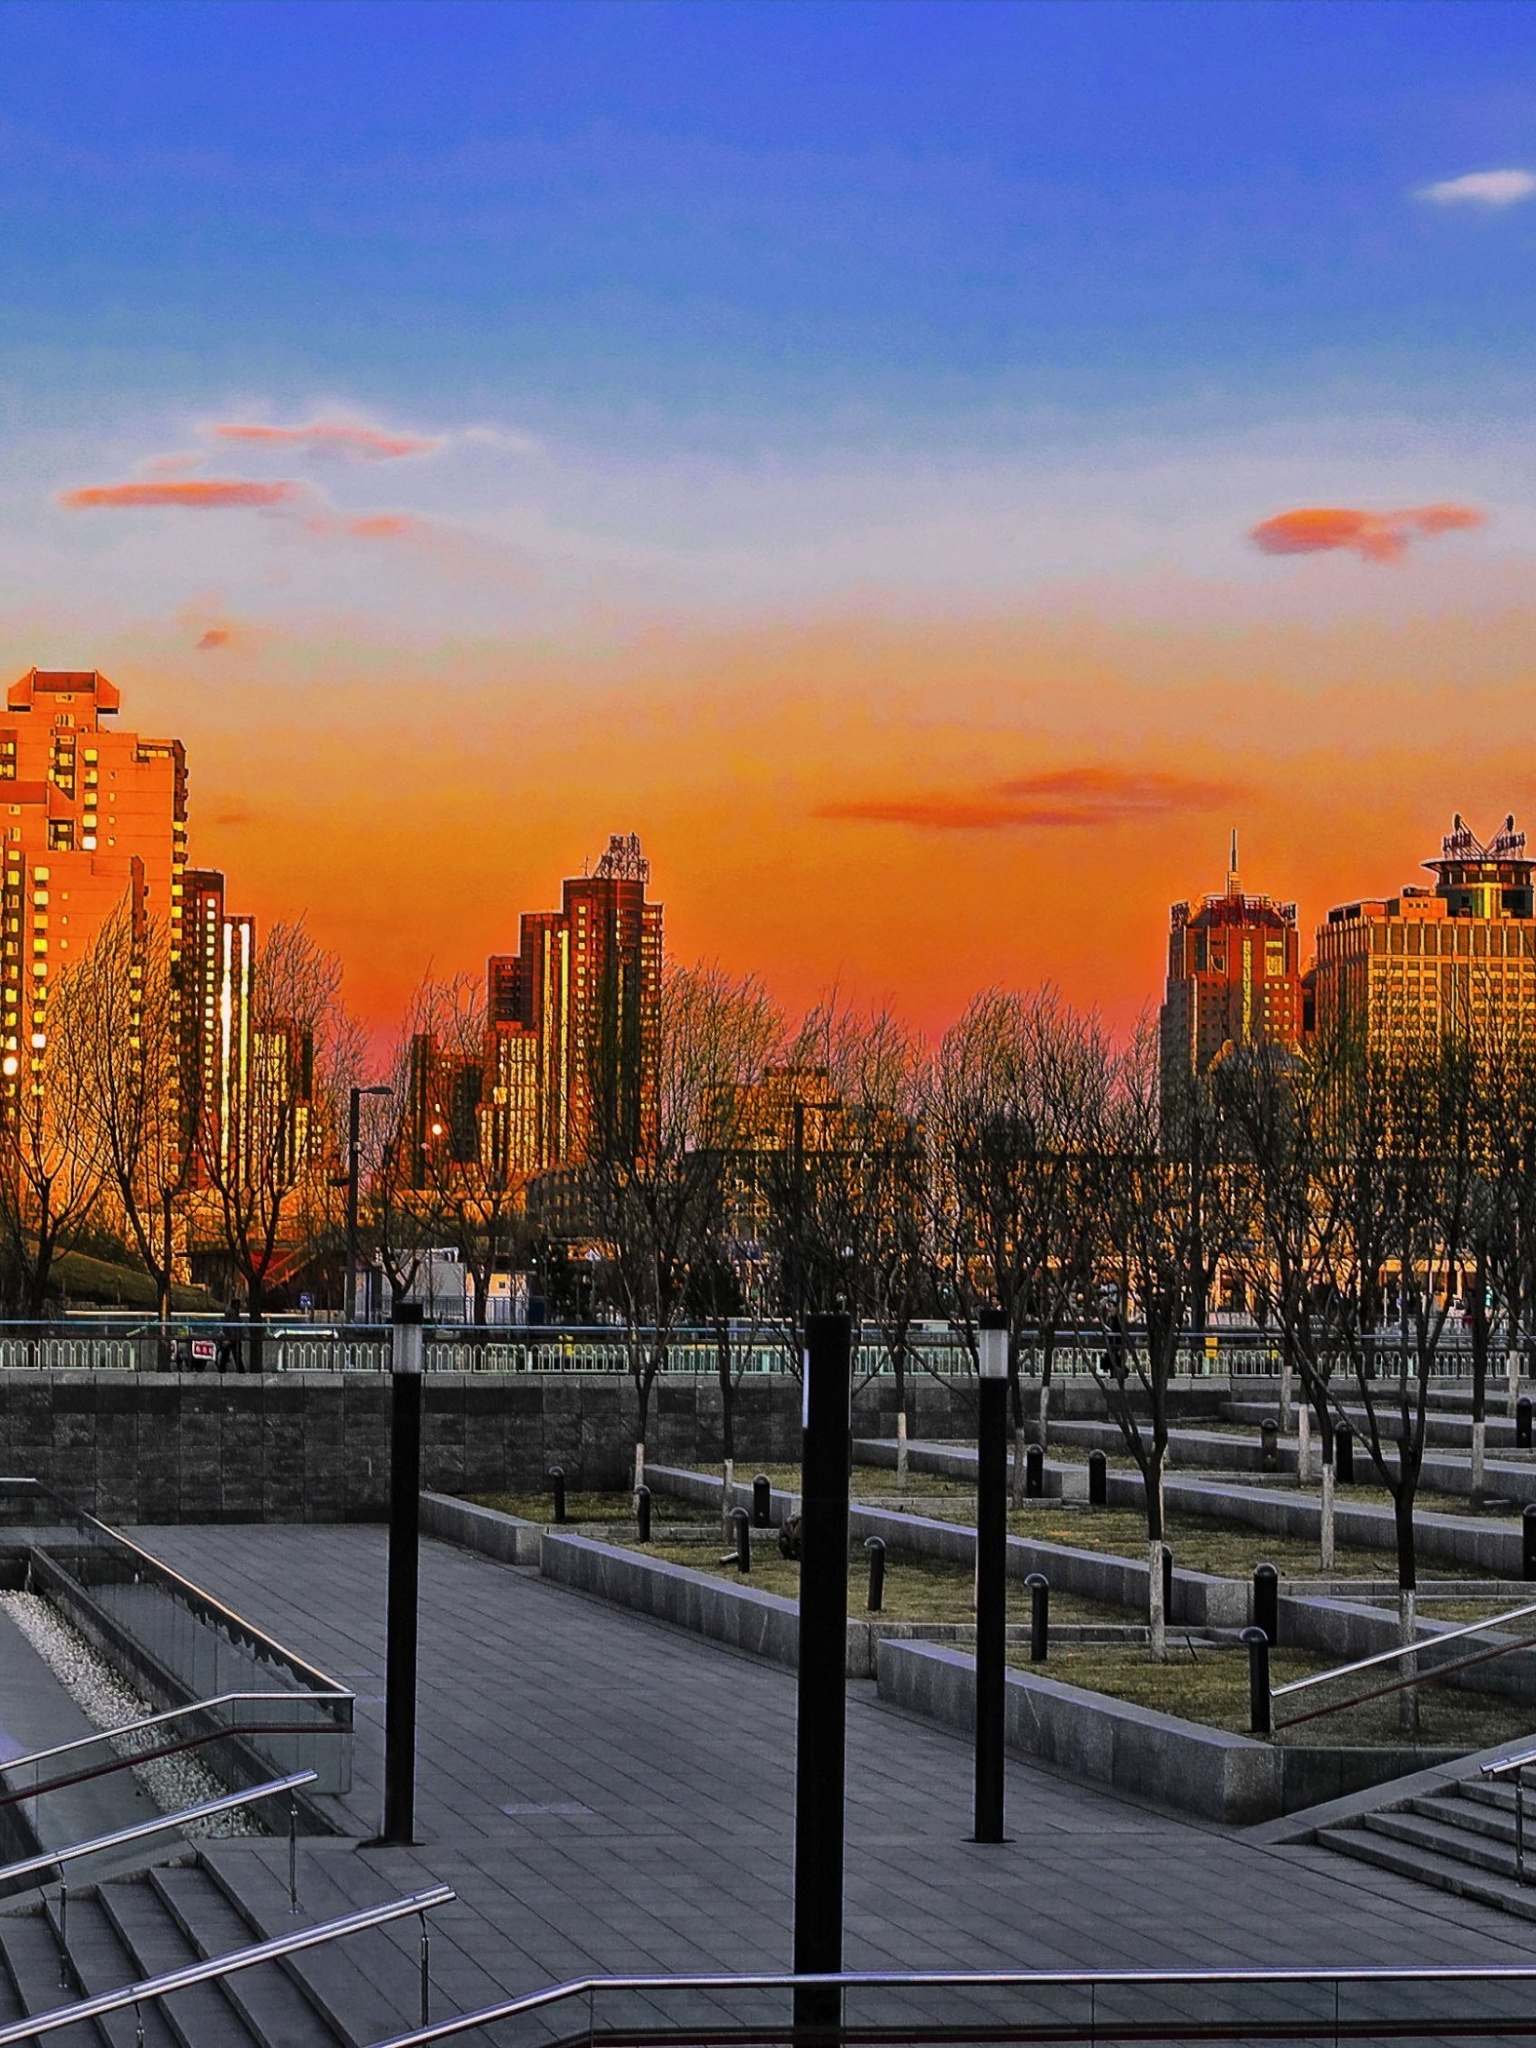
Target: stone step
pixel 358 1986
pixel 30 1952
pixel 1425 1866
pixel 1439 1838
pixel 1493 1823
pixel 100 1961
pixel 201 2017
pixel 273 2009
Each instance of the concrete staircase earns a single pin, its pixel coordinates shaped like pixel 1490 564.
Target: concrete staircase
pixel 1460 1839
pixel 132 1927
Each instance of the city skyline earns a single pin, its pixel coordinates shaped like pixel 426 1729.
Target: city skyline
pixel 928 470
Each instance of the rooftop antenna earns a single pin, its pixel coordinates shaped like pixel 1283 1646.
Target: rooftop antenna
pixel 1232 866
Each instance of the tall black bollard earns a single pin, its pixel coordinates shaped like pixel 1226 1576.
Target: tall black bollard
pixel 991 1573
pixel 1167 1584
pixel 1528 1542
pixel 406 1346
pixel 875 1545
pixel 556 1477
pixel 1039 1617
pixel 762 1501
pixel 1258 1680
pixel 1266 1601
pixel 1523 1423
pixel 1098 1479
pixel 1034 1472
pixel 741 1529
pixel 643 1514
pixel 1269 1446
pixel 821 1706
pixel 1344 1455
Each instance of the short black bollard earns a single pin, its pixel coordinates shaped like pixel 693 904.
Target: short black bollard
pixel 762 1500
pixel 1523 1423
pixel 1098 1479
pixel 875 1545
pixel 556 1477
pixel 1266 1601
pixel 1167 1583
pixel 1034 1472
pixel 1269 1446
pixel 1258 1680
pixel 643 1513
pixel 1528 1545
pixel 1039 1617
pixel 1344 1455
pixel 742 1525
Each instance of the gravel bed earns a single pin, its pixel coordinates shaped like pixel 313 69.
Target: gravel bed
pixel 172 1782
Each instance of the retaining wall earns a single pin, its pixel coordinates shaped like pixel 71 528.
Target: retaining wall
pixel 170 1447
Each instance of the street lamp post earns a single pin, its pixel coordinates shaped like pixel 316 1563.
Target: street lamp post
pixel 991 1571
pixel 407 1343
pixel 823 1662
pixel 349 1298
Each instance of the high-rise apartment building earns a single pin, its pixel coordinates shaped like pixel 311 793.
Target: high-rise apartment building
pixel 1460 953
pixel 90 817
pixel 578 1008
pixel 1234 977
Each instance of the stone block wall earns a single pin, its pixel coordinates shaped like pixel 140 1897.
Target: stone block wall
pixel 205 1447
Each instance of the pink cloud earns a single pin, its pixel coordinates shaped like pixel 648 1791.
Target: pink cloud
pixel 197 494
pixel 330 437
pixel 1374 536
pixel 1061 799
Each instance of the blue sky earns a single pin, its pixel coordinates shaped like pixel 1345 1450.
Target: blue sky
pixel 874 221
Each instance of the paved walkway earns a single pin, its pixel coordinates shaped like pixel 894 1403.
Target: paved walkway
pixel 606 1793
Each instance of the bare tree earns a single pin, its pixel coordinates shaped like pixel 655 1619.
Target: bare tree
pixel 1162 1208
pixel 50 1163
pixel 1019 1105
pixel 650 1186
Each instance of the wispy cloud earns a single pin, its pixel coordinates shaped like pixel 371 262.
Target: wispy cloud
pixel 198 494
pixel 1481 188
pixel 1374 536
pixel 216 636
pixel 354 438
pixel 1063 799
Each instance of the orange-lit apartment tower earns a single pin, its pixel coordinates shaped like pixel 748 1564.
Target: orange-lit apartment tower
pixel 584 986
pixel 91 816
pixel 1234 978
pixel 1402 968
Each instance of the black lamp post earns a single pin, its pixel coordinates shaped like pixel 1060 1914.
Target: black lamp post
pixel 407 1343
pixel 991 1571
pixel 820 1732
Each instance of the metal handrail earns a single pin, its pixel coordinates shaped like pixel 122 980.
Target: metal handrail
pixel 1450 1635
pixel 1501 1764
pixel 219 1699
pixel 51 1858
pixel 217 1967
pixel 958 1980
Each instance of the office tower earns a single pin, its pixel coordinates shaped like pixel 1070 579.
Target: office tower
pixel 92 817
pixel 1460 954
pixel 1234 978
pixel 580 1005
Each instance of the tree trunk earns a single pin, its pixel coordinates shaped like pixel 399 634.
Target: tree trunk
pixel 1512 1375
pixel 728 1476
pixel 1303 1442
pixel 1285 1395
pixel 639 1465
pixel 1045 1410
pixel 1408 1667
pixel 1478 1476
pixel 1019 1448
pixel 1157 1621
pixel 1325 1525
pixel 901 1451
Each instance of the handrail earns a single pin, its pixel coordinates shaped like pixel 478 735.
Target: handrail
pixel 1520 1761
pixel 1450 1635
pixel 954 1980
pixel 141 1829
pixel 219 1699
pixel 217 1967
pixel 158 1754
